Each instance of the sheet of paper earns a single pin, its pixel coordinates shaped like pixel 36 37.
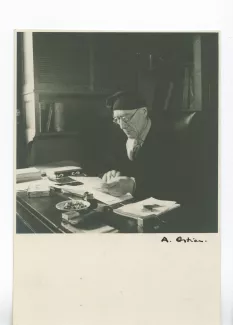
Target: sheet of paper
pixel 100 196
pixel 91 184
pixel 137 209
pixel 161 203
pixel 109 199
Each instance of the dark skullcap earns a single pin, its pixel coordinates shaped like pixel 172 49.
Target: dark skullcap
pixel 125 100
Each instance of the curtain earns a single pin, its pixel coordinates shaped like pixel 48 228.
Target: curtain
pixel 21 147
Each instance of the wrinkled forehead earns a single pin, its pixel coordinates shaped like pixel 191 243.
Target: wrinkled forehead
pixel 119 113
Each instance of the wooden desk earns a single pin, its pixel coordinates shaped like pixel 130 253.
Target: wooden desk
pixel 39 215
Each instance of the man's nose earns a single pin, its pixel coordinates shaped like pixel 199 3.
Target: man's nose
pixel 122 124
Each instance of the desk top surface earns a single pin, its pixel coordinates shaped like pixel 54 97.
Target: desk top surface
pixel 45 209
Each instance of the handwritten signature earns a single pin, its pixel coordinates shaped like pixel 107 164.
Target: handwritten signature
pixel 180 239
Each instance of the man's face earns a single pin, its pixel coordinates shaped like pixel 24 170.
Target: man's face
pixel 131 122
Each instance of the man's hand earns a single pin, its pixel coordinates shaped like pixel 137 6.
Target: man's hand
pixel 119 186
pixel 110 175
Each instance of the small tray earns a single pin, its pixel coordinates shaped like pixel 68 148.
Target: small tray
pixel 66 205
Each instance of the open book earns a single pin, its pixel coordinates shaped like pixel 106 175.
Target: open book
pixel 146 208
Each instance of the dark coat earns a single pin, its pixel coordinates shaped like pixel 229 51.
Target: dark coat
pixel 179 165
pixel 172 164
pixel 158 166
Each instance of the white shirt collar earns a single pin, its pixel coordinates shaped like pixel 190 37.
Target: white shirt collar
pixel 132 143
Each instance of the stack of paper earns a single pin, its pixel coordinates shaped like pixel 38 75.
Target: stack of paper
pixel 37 189
pixel 22 187
pixel 91 184
pixel 146 208
pixel 27 174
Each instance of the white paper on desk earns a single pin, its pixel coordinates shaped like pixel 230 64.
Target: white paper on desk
pixel 137 210
pixel 109 199
pixel 30 170
pixel 94 184
pixel 91 184
pixel 161 203
pixel 24 186
pixel 88 184
pixel 98 195
pixel 27 174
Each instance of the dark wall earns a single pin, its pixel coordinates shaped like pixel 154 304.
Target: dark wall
pixel 116 58
pixel 82 69
pixel 210 67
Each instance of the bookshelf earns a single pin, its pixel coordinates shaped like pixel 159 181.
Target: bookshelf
pixel 64 67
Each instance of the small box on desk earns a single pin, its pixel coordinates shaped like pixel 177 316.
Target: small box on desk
pixel 72 217
pixel 38 190
pixel 147 212
pixel 61 172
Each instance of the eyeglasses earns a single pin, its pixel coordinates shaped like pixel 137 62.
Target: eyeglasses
pixel 124 119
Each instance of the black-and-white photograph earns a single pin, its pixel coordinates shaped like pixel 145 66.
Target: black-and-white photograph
pixel 117 132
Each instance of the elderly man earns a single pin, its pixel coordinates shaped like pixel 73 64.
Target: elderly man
pixel 166 162
pixel 151 168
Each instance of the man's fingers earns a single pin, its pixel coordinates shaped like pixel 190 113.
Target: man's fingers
pixel 113 173
pixel 107 176
pixel 116 173
pixel 104 178
pixel 110 176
